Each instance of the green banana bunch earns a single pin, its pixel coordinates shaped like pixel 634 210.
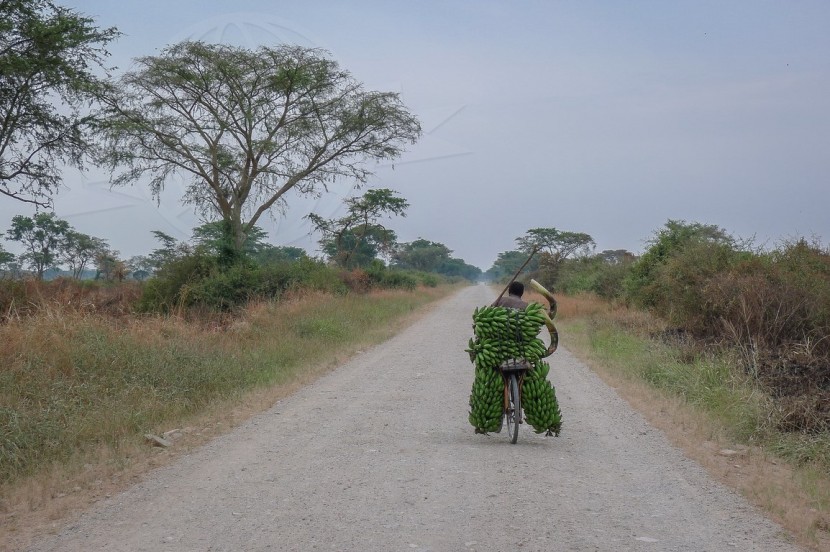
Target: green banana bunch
pixel 539 403
pixel 486 401
pixel 501 334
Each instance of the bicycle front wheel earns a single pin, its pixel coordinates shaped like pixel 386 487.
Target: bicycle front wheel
pixel 514 409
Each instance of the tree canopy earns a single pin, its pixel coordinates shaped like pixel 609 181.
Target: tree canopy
pixel 216 238
pixel 5 257
pixel 47 57
pixel 79 249
pixel 668 242
pixel 508 262
pixel 248 126
pixel 41 237
pixel 357 238
pixel 556 243
pixel 554 247
pixel 421 254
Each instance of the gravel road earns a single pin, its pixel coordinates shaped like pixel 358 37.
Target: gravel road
pixel 378 456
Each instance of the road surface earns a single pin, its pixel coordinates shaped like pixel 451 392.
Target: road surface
pixel 378 456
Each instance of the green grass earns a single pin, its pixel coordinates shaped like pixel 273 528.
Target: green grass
pixel 712 383
pixel 707 382
pixel 703 395
pixel 70 383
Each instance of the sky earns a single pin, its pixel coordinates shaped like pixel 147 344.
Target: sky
pixel 602 117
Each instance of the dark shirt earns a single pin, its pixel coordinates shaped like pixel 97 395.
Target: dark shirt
pixel 511 302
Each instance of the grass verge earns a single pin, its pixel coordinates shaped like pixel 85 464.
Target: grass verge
pixel 78 392
pixel 709 407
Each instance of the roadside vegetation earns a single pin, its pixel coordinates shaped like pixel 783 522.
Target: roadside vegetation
pixel 729 341
pixel 99 350
pixel 84 379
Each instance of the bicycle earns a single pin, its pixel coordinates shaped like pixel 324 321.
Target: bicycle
pixel 513 372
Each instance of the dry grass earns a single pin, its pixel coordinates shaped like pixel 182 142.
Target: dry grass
pixel 109 383
pixel 797 497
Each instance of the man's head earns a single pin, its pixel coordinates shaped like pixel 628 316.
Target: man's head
pixel 516 288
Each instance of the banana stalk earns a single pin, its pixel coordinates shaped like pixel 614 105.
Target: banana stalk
pixel 554 334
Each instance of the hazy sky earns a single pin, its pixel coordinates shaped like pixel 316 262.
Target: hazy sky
pixel 604 117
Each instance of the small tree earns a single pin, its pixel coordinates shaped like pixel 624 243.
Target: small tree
pixel 554 246
pixel 169 251
pixel 42 237
pixel 247 127
pixel 78 250
pixel 140 267
pixel 357 238
pixel 6 260
pixel 109 266
pixel 47 56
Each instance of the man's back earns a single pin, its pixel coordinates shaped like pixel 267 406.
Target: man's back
pixel 511 302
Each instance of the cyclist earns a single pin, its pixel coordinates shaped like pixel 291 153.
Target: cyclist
pixel 514 297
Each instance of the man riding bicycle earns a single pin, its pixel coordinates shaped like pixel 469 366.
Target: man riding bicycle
pixel 514 297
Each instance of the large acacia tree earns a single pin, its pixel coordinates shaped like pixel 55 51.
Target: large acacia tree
pixel 245 127
pixel 48 58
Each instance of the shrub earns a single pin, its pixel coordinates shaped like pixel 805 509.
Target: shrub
pixel 776 300
pixel 198 280
pixel 169 288
pixel 678 289
pixel 225 289
pixel 597 274
pixel 356 280
pixel 384 277
pixel 28 297
pixel 641 283
pixel 398 279
pixel 429 280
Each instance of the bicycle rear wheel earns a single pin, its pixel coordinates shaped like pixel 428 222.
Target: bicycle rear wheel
pixel 514 408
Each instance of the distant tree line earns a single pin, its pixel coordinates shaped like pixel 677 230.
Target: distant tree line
pixel 50 243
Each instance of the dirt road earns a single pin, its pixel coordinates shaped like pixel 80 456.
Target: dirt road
pixel 379 456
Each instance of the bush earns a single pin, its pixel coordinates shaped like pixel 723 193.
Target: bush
pixel 678 288
pixel 304 273
pixel 398 279
pixel 641 283
pixel 169 288
pixel 776 301
pixel 225 289
pixel 595 275
pixel 429 280
pixel 774 308
pixel 198 280
pixel 356 280
pixel 384 277
pixel 13 296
